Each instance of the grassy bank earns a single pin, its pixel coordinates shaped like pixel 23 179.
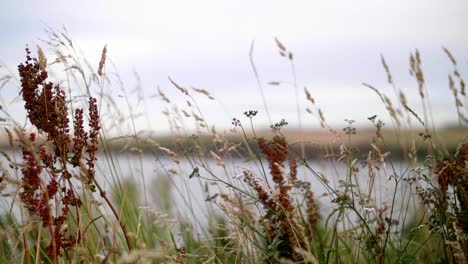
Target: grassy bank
pixel 313 141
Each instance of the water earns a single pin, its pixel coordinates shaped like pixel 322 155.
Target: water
pixel 189 198
pixel 190 195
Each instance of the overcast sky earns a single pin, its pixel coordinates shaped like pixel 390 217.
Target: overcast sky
pixel 205 44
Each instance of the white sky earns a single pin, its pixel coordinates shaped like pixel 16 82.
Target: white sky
pixel 205 44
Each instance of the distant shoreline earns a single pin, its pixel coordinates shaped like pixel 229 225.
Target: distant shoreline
pixel 314 142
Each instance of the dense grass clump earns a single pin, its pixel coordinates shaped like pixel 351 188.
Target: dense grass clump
pixel 76 188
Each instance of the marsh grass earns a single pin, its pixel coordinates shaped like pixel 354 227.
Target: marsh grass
pixel 400 199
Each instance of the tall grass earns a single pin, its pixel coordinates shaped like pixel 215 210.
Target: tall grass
pixel 400 197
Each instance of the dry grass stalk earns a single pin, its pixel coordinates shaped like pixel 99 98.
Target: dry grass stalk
pixel 186 114
pixel 102 62
pixel 198 118
pixel 10 138
pixel 388 103
pixel 391 110
pixel 180 88
pixel 402 97
pixel 308 95
pixel 163 96
pixel 218 160
pixel 280 45
pixel 387 69
pixel 170 153
pixel 413 113
pixel 450 56
pixel 42 58
pixel 204 92
pixel 322 118
pixel 416 71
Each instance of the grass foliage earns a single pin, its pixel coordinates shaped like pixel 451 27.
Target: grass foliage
pixel 397 195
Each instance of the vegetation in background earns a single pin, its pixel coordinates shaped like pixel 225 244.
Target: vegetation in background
pixel 396 195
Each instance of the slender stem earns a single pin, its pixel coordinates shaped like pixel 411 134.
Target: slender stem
pixel 259 83
pixel 254 153
pixel 114 211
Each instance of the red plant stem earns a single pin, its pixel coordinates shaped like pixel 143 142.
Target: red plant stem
pixel 52 235
pixel 122 225
pixel 26 249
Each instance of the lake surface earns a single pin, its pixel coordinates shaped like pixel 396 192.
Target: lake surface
pixel 156 176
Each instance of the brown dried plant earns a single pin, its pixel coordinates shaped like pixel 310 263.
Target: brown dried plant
pixel 279 221
pixel 454 171
pixel 448 201
pixel 47 188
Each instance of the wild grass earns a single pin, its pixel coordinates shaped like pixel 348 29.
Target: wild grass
pixel 394 194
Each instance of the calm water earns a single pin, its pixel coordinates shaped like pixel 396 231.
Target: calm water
pixel 154 176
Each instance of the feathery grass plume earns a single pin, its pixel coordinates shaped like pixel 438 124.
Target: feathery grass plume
pixel 391 110
pixel 462 87
pixel 282 50
pixel 378 153
pixel 4 80
pixel 308 95
pixel 388 103
pixel 186 114
pixel 413 113
pixel 450 56
pixel 218 160
pixel 180 88
pixel 163 96
pixel 375 90
pixel 10 138
pixel 453 88
pixel 416 71
pixel 458 102
pixel 102 62
pixel 402 97
pixel 322 118
pixel 170 153
pixel 42 58
pixel 387 69
pixel 198 118
pixel 398 92
pixel 281 47
pixel 204 92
